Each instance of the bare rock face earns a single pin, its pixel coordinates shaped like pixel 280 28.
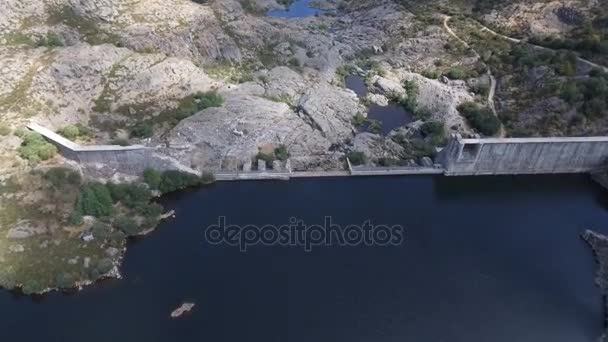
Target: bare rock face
pixel 331 110
pixel 105 10
pixel 212 139
pixel 375 146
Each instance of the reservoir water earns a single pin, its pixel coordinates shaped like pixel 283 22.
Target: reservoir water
pixel 483 259
pixel 391 116
pixel 297 9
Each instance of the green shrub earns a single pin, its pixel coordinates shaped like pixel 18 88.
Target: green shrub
pixel 70 132
pixel 175 180
pixel 357 158
pixel 75 218
pixel 20 132
pixel 267 157
pixel 4 129
pixel 480 118
pixel 121 142
pixel 434 131
pixel 95 200
pixel 281 153
pixel 195 103
pixel 207 177
pixel 127 225
pixel 50 40
pixel 34 148
pixel 131 195
pixel 32 287
pixel 150 210
pixel 101 230
pixel 65 280
pixel 104 266
pixel 152 178
pixel 457 73
pixel 59 177
pixel 142 130
pixel 431 73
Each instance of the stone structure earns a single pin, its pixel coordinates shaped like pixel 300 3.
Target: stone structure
pixel 107 160
pixel 511 156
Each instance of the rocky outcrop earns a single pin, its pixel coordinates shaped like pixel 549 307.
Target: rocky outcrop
pixel 330 110
pixel 209 140
pixel 599 244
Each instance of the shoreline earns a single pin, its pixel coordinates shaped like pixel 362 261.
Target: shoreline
pixel 599 246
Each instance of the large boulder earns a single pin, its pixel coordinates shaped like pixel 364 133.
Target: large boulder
pixel 331 110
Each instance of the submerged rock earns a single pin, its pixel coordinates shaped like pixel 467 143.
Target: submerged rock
pixel 182 309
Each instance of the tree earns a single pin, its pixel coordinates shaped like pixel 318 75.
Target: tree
pixel 126 225
pixel 152 178
pixel 95 200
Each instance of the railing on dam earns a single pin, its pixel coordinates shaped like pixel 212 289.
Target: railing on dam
pixel 72 146
pixel 510 156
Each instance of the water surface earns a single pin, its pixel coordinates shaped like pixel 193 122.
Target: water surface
pixel 298 9
pixel 484 259
pixel 391 117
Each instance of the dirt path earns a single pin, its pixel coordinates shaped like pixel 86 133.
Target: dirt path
pixel 517 41
pixel 492 92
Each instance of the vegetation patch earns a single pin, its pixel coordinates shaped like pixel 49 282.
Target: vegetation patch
pixel 480 118
pixel 35 148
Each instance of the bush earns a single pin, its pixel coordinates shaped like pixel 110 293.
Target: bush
pixel 32 287
pixel 61 176
pixel 431 73
pixel 127 225
pixel 281 153
pixel 267 157
pixel 65 280
pixel 150 210
pixel 480 118
pixel 70 132
pixel 101 230
pixel 176 180
pixel 50 40
pixel 131 195
pixel 196 103
pixel 357 158
pixel 104 266
pixel 34 148
pixel 95 200
pixel 152 178
pixel 207 178
pixel 142 130
pixel 4 129
pixel 434 131
pixel 76 218
pixel 457 73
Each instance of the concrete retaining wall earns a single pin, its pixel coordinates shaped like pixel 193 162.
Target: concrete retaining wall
pixel 107 160
pixel 512 156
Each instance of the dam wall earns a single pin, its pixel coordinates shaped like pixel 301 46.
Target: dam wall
pixel 107 160
pixel 514 156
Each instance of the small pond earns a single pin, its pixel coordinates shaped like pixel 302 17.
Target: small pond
pixel 297 9
pixel 391 117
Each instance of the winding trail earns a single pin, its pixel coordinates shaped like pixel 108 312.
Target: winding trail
pixel 518 41
pixel 493 83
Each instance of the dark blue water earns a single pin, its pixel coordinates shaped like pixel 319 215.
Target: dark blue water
pixel 298 9
pixel 391 117
pixel 484 259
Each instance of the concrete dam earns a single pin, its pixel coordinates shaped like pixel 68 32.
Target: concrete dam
pixel 513 156
pixel 107 160
pixel 461 157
